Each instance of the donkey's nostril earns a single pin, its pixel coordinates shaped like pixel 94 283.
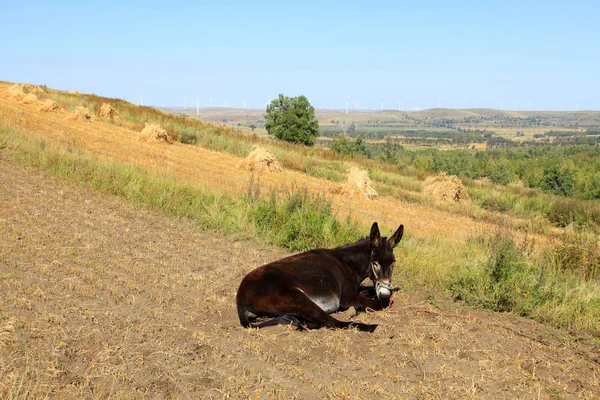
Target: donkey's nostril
pixel 385 293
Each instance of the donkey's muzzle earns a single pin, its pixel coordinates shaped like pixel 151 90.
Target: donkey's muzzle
pixel 384 289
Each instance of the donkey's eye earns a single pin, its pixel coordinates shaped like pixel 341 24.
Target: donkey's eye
pixel 376 266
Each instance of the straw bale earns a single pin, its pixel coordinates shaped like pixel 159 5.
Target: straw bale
pixel 154 133
pixel 82 114
pixel 259 160
pixel 446 188
pixel 51 106
pixel 358 183
pixel 106 111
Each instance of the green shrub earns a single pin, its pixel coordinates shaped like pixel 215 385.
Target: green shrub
pixel 188 138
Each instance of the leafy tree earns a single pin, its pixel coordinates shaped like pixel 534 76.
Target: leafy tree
pixel 557 180
pixel 389 151
pixel 340 144
pixel 502 173
pixel 292 119
pixel 351 131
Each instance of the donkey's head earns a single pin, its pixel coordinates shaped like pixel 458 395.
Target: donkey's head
pixel 382 260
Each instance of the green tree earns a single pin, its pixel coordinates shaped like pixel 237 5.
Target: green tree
pixel 557 180
pixel 292 119
pixel 340 144
pixel 502 173
pixel 351 131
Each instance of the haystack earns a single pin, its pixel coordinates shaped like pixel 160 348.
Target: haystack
pixel 154 133
pixel 106 111
pixel 50 106
pixel 30 98
pixel 14 92
pixel 445 188
pixel 358 183
pixel 82 114
pixel 74 92
pixel 38 91
pixel 259 160
pixel 20 92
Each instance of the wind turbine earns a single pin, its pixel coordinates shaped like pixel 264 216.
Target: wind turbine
pixel 357 105
pixel 225 102
pixel 198 104
pixel 400 104
pixel 347 98
pixel 515 102
pixel 501 104
pixel 184 103
pixel 141 99
pixel 530 104
pixel 244 101
pixel 210 99
pixel 439 103
pixel 576 107
pixel 380 106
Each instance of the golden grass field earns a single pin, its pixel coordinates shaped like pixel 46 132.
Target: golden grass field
pixel 105 299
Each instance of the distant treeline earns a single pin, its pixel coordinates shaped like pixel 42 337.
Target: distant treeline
pixel 592 132
pixel 411 136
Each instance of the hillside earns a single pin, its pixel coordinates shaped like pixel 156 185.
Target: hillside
pixel 160 234
pixel 127 302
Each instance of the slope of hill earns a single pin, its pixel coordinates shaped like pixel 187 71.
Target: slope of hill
pixel 128 302
pixel 446 248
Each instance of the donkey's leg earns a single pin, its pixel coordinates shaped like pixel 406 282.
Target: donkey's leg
pixel 362 301
pixel 280 320
pixel 304 307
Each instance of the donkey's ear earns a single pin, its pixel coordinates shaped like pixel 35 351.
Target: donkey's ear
pixel 395 238
pixel 375 236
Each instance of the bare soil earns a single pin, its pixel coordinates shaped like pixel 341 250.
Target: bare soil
pixel 103 299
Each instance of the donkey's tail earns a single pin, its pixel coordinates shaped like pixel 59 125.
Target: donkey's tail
pixel 242 314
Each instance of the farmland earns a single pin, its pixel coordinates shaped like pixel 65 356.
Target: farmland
pixel 135 299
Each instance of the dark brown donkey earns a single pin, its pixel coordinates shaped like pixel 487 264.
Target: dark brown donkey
pixel 304 289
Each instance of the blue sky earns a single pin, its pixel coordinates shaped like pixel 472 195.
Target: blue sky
pixel 463 53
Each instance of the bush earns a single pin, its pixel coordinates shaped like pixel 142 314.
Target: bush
pixel 557 180
pixel 188 138
pixel 502 173
pixel 579 255
pixel 299 221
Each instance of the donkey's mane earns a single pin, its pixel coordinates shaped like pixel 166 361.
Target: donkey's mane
pixel 359 241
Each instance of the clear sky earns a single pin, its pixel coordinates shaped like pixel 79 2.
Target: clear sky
pixel 463 53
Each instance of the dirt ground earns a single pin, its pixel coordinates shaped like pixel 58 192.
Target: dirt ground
pixel 100 299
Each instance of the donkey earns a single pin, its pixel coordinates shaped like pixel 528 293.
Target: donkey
pixel 304 289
